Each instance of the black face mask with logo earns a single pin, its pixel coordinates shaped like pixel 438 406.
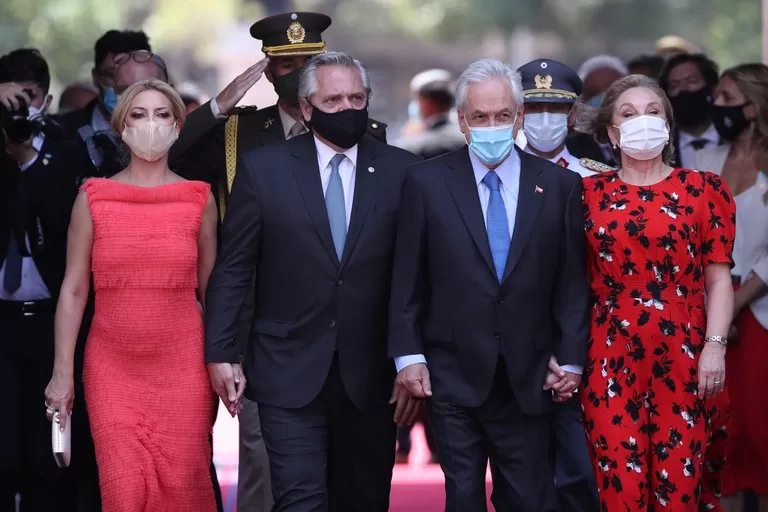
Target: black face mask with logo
pixel 730 122
pixel 287 87
pixel 693 108
pixel 344 128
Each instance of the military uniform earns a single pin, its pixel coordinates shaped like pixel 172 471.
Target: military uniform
pixel 549 81
pixel 209 146
pixel 208 149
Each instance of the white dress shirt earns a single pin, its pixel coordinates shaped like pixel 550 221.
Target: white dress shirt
pixel 573 162
pixel 509 175
pixel 346 172
pixel 32 284
pixel 687 153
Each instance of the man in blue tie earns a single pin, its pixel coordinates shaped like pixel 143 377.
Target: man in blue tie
pixel 489 306
pixel 316 218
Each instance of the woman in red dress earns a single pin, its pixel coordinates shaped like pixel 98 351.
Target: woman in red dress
pixel 658 237
pixel 149 237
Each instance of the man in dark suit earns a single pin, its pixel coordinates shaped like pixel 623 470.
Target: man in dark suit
pixel 218 133
pixel 316 216
pixel 36 196
pixel 215 136
pixel 489 290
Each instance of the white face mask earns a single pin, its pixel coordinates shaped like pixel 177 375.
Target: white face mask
pixel 546 131
pixel 34 112
pixel 643 137
pixel 150 141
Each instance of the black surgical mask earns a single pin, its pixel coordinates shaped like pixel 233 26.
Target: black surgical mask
pixel 693 108
pixel 287 87
pixel 730 122
pixel 344 128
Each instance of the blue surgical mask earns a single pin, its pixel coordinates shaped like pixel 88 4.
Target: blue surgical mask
pixel 492 144
pixel 109 97
pixel 414 113
pixel 595 101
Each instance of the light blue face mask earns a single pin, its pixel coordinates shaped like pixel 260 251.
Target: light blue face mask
pixel 109 97
pixel 595 101
pixel 413 111
pixel 492 144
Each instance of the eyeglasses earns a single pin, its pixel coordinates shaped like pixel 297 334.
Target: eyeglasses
pixel 140 56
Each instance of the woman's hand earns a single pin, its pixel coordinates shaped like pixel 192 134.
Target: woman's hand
pixel 711 370
pixel 60 396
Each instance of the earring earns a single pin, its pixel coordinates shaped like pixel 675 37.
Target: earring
pixel 615 146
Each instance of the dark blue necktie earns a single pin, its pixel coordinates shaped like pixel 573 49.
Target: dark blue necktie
pixel 498 225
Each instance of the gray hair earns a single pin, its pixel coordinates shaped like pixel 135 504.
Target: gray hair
pixel 484 70
pixel 308 80
pixel 602 62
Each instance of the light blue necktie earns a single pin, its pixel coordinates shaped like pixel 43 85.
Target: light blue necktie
pixel 498 227
pixel 334 203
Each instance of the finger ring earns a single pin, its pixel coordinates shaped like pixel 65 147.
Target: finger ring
pixel 50 410
pixel 717 382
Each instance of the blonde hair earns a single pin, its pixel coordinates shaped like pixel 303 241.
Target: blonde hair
pixel 178 109
pixel 752 82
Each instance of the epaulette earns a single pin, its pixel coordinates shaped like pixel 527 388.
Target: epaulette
pixel 377 129
pixel 594 165
pixel 247 109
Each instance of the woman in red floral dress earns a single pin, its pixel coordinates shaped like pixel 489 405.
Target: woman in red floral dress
pixel 657 238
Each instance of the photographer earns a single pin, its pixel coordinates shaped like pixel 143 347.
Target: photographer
pixel 36 196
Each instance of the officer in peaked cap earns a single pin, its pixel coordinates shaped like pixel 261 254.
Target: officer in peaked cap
pixel 550 90
pixel 209 146
pixel 215 134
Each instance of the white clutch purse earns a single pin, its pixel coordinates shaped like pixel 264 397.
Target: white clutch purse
pixel 61 442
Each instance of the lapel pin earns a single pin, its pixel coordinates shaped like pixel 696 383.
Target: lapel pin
pixel 371 169
pixel 269 122
pixel 539 190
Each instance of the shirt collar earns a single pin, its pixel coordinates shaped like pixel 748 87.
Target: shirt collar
pixel 565 154
pixel 326 153
pixel 508 171
pixel 99 122
pixel 710 135
pixel 286 120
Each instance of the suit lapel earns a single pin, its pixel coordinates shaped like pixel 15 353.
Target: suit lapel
pixel 365 193
pixel 307 175
pixel 463 187
pixel 529 200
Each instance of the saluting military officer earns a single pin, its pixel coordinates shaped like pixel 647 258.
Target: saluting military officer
pixel 550 90
pixel 218 132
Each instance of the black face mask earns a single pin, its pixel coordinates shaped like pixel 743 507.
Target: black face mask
pixel 344 128
pixel 693 108
pixel 287 87
pixel 730 122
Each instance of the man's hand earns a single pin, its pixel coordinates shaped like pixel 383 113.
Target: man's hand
pixel 234 92
pixel 415 379
pixel 228 382
pixel 408 408
pixel 562 384
pixel 13 96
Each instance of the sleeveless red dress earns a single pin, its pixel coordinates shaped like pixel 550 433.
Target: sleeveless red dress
pixel 147 391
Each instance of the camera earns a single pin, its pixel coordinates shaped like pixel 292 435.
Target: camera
pixel 19 128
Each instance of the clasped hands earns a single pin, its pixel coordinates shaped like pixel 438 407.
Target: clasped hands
pixel 228 381
pixel 563 384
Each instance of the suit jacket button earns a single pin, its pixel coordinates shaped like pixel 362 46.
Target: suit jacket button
pixel 497 336
pixel 339 282
pixel 499 300
pixel 332 324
